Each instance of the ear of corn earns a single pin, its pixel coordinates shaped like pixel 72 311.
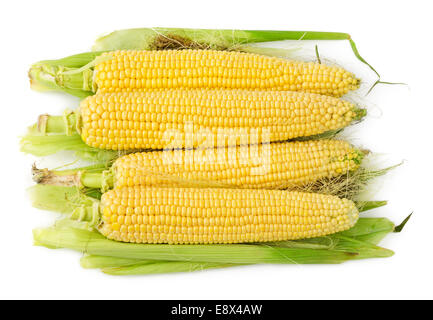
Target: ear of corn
pixel 181 38
pixel 214 215
pixel 191 118
pixel 117 259
pixel 67 199
pixel 194 69
pixel 67 74
pixel 281 165
pixel 272 166
pixel 130 70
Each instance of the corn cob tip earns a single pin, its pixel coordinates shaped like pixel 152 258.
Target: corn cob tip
pixel 365 152
pixel 353 216
pixel 358 155
pixel 359 113
pixel 356 82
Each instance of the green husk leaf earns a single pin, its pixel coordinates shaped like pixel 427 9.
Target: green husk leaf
pixel 363 249
pixel 93 168
pixel 343 248
pixel 96 244
pixel 153 38
pixel 371 230
pixel 41 145
pixel 272 52
pixel 69 223
pixel 347 242
pixel 121 266
pixel 73 61
pixel 360 58
pixel 163 267
pixel 401 226
pixel 369 205
pixel 378 81
pixel 368 230
pixel 98 262
pixel 54 198
pixel 93 193
pixel 326 135
pixel 79 204
pixel 316 49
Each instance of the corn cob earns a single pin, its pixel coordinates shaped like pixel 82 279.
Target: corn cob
pixel 192 69
pixel 186 118
pixel 281 165
pixel 274 166
pixel 214 215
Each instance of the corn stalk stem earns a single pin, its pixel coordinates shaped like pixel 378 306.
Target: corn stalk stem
pixel 66 124
pixel 73 178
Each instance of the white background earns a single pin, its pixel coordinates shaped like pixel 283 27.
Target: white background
pixel 394 36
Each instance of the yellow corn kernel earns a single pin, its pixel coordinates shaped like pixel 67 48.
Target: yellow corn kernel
pixel 218 215
pixel 193 69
